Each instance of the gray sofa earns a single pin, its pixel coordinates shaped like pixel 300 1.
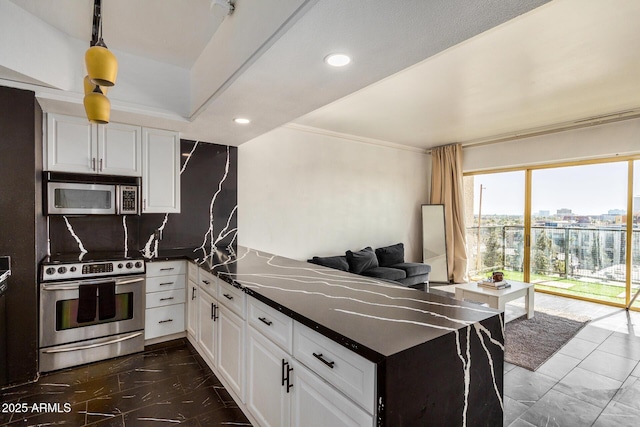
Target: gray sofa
pixel 386 263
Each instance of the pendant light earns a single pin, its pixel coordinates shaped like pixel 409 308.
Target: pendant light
pixel 97 106
pixel 102 65
pixel 102 69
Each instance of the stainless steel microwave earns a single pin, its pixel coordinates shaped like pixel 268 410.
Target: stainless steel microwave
pixel 78 194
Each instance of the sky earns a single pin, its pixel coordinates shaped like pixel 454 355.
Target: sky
pixel 586 190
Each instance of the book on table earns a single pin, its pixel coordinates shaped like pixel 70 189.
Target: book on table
pixel 494 285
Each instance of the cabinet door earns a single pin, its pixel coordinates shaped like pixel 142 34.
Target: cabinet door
pixel 70 145
pixel 160 171
pixel 192 308
pixel 317 404
pixel 267 398
pixel 120 149
pixel 231 349
pixel 207 313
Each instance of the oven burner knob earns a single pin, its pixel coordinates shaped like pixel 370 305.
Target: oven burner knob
pixel 138 264
pixel 129 265
pixel 72 269
pixel 50 270
pixel 120 265
pixel 62 270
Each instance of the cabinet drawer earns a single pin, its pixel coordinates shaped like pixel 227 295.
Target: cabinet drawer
pixel 166 268
pixel 160 321
pixel 165 283
pixel 208 283
pixel 232 298
pixel 159 299
pixel 276 326
pixel 192 271
pixel 344 369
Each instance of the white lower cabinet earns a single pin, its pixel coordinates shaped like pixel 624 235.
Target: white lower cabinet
pixel 192 309
pixel 267 395
pixel 192 300
pixel 231 344
pixel 165 299
pixel 317 404
pixel 207 313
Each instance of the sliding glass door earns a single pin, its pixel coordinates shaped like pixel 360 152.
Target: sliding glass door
pixel 578 231
pixel 572 230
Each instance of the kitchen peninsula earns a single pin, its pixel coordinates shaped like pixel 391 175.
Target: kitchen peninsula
pixel 405 357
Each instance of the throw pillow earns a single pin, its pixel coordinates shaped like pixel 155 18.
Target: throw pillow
pixel 362 260
pixel 390 255
pixel 337 262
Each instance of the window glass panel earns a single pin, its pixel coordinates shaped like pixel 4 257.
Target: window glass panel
pixel 635 235
pixel 495 224
pixel 578 232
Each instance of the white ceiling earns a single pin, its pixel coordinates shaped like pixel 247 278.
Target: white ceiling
pixel 424 73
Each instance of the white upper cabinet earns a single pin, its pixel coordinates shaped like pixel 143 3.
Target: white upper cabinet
pixel 161 171
pixel 75 145
pixel 120 149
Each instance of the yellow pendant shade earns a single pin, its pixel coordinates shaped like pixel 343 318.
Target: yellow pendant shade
pixel 102 66
pixel 89 87
pixel 97 106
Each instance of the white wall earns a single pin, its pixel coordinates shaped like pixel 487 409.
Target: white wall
pixel 608 140
pixel 302 194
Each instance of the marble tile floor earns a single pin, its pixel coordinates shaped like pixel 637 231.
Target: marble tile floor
pixel 593 380
pixel 167 384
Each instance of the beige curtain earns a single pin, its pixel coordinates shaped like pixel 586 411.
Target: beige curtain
pixel 447 189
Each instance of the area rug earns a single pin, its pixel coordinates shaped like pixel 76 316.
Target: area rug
pixel 530 342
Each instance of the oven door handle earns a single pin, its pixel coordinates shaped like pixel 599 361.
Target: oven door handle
pixel 75 285
pixel 126 282
pixel 86 347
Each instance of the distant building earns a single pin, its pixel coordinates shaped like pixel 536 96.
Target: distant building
pixel 617 211
pixel 544 213
pixel 564 211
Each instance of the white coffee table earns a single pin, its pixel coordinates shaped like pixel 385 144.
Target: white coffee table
pixel 498 298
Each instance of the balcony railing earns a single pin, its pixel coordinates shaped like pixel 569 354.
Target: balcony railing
pixel 593 259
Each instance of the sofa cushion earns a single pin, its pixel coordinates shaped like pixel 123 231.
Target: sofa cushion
pixel 389 255
pixel 337 262
pixel 385 273
pixel 413 268
pixel 361 260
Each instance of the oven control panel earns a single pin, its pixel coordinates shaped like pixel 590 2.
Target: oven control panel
pixel 85 270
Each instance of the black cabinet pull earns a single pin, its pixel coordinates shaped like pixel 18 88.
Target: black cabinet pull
pixel 193 293
pixel 206 282
pixel 286 375
pixel 165 321
pixel 166 299
pixel 265 321
pixel 215 312
pixel 323 360
pixel 284 364
pixel 227 296
pixel 167 269
pixel 166 283
pixel 289 384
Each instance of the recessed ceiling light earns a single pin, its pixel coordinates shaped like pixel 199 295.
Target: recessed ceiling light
pixel 337 59
pixel 242 121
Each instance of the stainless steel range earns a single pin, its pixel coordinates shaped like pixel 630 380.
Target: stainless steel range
pixel 91 308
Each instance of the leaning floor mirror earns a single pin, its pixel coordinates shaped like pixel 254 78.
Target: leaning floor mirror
pixel 434 243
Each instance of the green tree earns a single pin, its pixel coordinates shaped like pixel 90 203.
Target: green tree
pixel 540 254
pixel 493 253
